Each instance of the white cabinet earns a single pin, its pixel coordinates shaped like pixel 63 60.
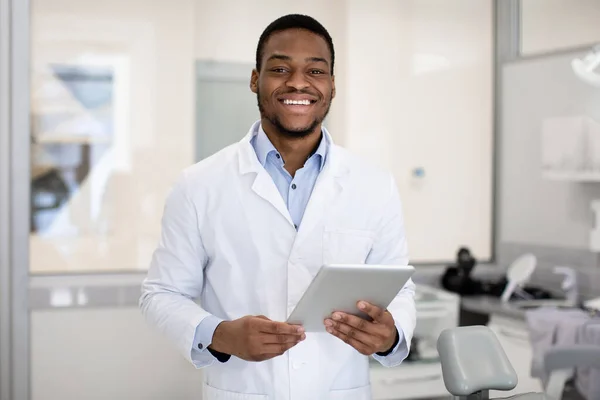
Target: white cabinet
pixel 408 381
pixel 514 338
pixel 420 379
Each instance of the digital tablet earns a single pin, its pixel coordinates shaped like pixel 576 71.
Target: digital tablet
pixel 340 287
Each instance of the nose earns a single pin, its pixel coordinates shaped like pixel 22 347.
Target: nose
pixel 297 80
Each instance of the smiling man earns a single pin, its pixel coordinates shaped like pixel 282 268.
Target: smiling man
pixel 294 83
pixel 247 229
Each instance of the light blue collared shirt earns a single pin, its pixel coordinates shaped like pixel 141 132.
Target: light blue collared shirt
pixel 295 191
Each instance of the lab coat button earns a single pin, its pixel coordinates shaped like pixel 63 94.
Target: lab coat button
pixel 200 346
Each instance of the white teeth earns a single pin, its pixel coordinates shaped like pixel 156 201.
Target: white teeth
pixel 297 102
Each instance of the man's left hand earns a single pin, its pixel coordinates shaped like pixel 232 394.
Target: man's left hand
pixel 365 336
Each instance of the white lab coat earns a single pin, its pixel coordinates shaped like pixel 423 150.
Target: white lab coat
pixel 228 240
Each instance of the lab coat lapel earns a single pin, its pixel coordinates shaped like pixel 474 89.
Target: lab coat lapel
pixel 263 184
pixel 328 187
pixel 265 187
pixel 324 198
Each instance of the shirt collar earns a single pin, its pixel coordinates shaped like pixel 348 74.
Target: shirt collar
pixel 263 147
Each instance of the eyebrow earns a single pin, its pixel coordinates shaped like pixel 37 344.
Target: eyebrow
pixel 288 58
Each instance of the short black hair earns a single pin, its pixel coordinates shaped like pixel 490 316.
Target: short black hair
pixel 293 21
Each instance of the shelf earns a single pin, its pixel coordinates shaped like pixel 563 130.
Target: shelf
pixel 69 138
pixel 572 176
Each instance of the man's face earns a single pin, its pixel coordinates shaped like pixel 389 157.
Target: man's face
pixel 295 85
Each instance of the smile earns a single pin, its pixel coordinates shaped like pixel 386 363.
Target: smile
pixel 298 102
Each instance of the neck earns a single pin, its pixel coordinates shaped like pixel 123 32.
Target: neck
pixel 295 151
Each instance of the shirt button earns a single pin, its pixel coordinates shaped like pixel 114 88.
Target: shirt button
pixel 200 346
pixel 277 155
pixel 294 186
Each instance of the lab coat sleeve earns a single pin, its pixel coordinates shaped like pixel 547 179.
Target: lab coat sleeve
pixel 390 247
pixel 175 279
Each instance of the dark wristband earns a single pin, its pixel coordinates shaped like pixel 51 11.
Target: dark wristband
pixel 222 357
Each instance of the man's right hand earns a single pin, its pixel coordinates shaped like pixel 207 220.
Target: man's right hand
pixel 256 338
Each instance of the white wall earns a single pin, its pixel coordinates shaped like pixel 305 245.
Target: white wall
pixel 533 210
pixel 420 95
pixel 100 354
pixel 549 25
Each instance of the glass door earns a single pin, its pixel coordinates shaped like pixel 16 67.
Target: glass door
pixel 97 122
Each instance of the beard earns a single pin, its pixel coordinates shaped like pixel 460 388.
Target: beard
pixel 297 133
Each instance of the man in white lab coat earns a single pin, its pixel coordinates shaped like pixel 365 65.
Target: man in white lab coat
pixel 245 231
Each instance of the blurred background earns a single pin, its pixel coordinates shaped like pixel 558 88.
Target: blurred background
pixel 467 101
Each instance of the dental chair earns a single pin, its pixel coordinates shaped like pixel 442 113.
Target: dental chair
pixel 473 363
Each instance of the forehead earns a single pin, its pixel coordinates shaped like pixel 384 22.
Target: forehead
pixel 299 43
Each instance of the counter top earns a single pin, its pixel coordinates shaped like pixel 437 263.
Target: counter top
pixel 491 305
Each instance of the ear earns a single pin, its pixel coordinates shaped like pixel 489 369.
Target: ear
pixel 333 86
pixel 254 81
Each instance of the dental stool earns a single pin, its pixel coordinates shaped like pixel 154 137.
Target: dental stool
pixel 473 363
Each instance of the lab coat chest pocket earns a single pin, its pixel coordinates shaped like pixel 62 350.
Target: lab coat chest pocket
pixel 360 393
pixel 211 393
pixel 346 246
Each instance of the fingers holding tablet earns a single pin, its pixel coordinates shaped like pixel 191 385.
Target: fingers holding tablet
pixel 256 338
pixel 378 314
pixel 367 337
